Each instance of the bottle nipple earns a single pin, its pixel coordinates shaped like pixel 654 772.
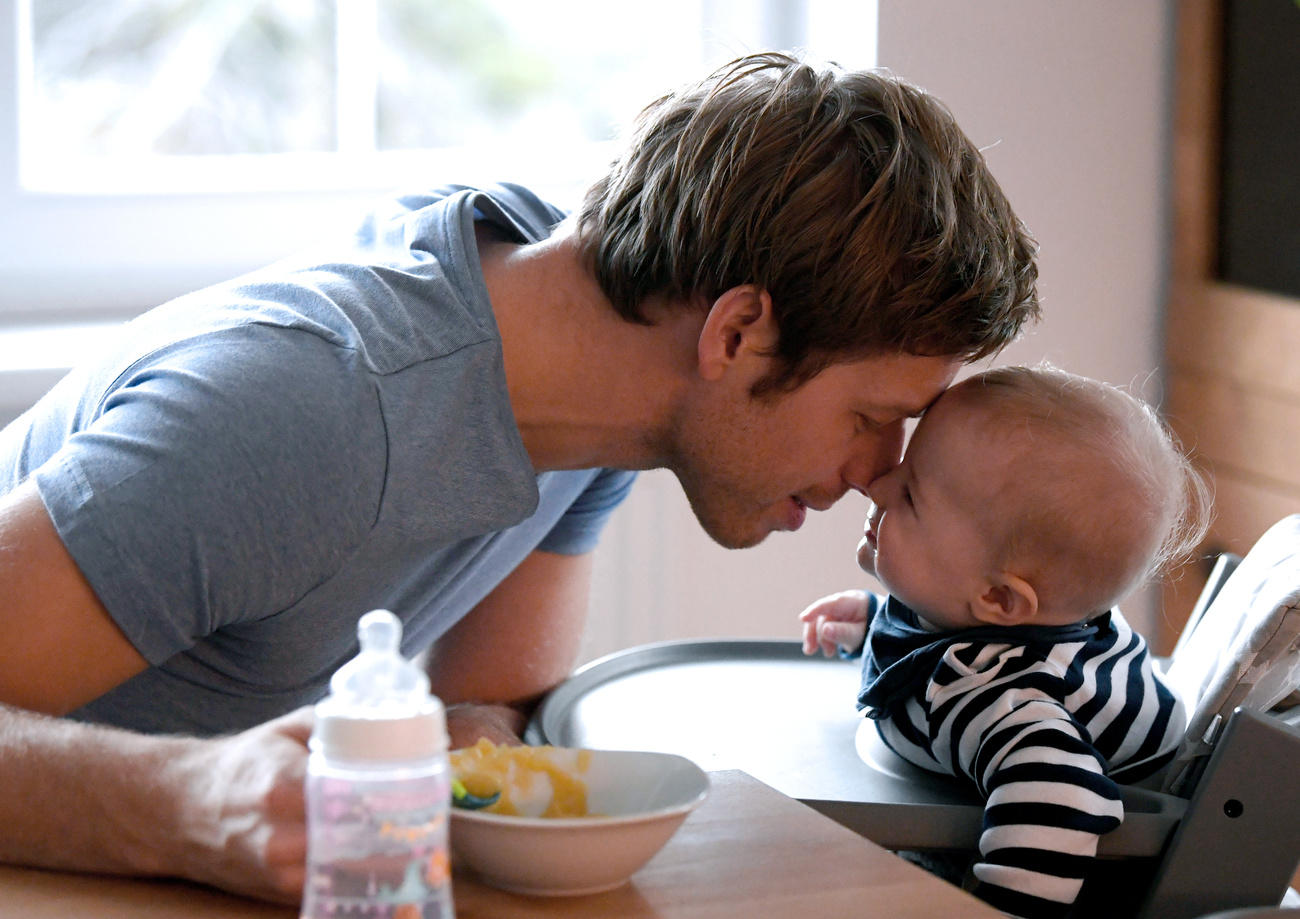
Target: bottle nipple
pixel 379 706
pixel 380 678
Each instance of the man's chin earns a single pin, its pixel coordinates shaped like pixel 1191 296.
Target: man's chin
pixel 731 536
pixel 731 540
pixel 745 543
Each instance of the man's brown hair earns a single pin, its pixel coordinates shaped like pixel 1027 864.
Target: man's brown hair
pixel 852 197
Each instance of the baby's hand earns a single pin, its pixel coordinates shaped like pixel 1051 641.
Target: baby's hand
pixel 835 622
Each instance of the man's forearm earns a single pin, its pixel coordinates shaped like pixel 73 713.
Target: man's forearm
pixel 85 797
pixel 226 811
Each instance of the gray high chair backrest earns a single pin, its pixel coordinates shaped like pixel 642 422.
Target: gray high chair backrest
pixel 1219 830
pixel 1238 843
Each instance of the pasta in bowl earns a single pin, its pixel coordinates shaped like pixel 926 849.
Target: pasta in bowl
pixel 568 821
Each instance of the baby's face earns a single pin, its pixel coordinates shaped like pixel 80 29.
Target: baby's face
pixel 922 539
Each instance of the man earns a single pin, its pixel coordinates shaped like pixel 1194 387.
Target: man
pixel 784 266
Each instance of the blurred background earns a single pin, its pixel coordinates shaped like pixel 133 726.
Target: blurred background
pixel 149 147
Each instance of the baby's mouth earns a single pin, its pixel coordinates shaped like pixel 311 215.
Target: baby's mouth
pixel 872 526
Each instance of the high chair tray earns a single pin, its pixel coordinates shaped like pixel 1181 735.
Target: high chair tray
pixel 789 720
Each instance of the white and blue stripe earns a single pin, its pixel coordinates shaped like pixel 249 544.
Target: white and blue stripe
pixel 1044 722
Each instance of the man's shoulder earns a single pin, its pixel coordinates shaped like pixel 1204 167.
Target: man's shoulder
pixel 510 207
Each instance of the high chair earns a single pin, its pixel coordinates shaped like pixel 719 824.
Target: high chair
pixel 1219 829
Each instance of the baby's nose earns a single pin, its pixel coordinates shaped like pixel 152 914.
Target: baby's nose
pixel 880 488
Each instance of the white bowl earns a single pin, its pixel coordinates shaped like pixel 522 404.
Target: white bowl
pixel 642 799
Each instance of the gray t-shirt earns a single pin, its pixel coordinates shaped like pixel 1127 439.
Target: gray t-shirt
pixel 253 466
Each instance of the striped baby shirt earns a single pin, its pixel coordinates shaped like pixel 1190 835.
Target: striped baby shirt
pixel 1044 721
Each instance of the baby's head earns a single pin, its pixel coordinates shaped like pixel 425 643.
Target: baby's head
pixel 1031 495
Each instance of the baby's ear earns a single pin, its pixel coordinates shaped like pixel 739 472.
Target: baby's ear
pixel 1008 600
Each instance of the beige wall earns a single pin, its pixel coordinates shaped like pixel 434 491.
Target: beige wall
pixel 1071 101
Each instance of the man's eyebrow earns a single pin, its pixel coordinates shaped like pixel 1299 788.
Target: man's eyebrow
pixel 929 405
pixel 906 411
pixel 896 411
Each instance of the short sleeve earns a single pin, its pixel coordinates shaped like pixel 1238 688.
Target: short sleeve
pixel 578 530
pixel 220 480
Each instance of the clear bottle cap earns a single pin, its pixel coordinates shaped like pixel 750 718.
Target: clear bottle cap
pixel 379 708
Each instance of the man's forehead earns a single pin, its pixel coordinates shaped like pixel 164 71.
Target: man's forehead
pixel 905 386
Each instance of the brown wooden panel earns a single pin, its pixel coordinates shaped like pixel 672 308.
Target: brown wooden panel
pixel 1243 511
pixel 1178 595
pixel 1247 336
pixel 1198 50
pixel 1237 430
pixel 1232 356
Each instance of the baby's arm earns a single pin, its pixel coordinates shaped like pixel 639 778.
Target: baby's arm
pixel 1049 801
pixel 837 622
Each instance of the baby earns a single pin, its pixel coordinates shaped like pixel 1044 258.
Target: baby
pixel 1029 501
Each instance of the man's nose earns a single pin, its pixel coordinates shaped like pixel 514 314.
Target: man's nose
pixel 875 457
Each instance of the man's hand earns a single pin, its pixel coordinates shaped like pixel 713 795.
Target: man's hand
pixel 835 623
pixel 243 816
pixel 468 721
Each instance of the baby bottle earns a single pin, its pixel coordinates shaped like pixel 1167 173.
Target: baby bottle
pixel 378 789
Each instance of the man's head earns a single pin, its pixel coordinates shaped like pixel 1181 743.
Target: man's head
pixel 851 198
pixel 1032 495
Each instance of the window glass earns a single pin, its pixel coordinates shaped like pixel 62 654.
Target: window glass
pixel 129 77
pixel 159 145
pixel 460 73
pixel 119 94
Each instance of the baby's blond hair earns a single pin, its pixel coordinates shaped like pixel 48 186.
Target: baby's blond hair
pixel 1097 495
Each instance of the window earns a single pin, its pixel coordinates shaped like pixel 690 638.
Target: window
pixel 148 147
pixel 152 95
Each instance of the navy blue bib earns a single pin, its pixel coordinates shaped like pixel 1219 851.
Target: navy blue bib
pixel 900 656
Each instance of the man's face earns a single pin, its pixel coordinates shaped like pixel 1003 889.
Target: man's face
pixel 750 466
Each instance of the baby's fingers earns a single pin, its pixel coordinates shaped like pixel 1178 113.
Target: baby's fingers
pixel 845 606
pixel 835 622
pixel 809 638
pixel 836 636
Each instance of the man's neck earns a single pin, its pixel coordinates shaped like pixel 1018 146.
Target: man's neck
pixel 587 387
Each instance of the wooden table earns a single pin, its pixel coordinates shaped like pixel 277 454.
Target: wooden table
pixel 748 851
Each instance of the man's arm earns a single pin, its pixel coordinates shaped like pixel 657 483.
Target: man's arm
pixel 61 648
pixel 227 812
pixel 523 639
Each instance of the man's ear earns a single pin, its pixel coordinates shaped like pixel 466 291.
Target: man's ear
pixel 739 322
pixel 1007 600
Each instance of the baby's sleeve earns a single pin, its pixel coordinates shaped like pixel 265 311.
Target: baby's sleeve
pixel 1049 801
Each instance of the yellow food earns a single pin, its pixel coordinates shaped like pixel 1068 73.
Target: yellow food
pixel 533 781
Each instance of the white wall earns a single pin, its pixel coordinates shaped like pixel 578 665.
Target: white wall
pixel 1071 101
